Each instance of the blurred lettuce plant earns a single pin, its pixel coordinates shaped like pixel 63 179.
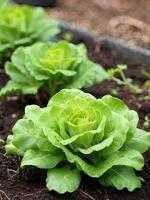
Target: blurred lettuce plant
pixel 23 25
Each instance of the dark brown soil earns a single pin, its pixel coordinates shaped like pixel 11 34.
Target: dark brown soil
pixel 29 183
pixel 125 19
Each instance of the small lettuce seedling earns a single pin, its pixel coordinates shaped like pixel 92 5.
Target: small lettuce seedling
pixel 23 25
pixel 146 74
pixel 51 67
pixel 147 122
pixel 147 83
pixel 123 81
pixel 77 133
pixel 68 36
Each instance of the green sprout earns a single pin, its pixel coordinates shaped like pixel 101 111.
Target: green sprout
pixel 146 73
pixel 68 36
pixel 114 92
pixel 124 80
pixel 146 122
pixel 147 83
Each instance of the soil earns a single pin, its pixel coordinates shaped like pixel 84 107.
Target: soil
pixel 29 183
pixel 125 19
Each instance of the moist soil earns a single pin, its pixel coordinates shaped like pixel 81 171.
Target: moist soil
pixel 125 19
pixel 29 183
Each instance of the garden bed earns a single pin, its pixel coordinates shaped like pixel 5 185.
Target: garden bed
pixel 29 183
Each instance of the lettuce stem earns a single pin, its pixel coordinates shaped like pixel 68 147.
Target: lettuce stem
pixel 52 85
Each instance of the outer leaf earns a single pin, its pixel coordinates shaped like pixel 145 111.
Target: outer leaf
pixel 33 112
pixel 23 138
pixel 20 82
pixel 63 180
pixel 41 118
pixel 12 87
pixel 133 119
pixel 118 106
pixel 121 177
pixel 88 74
pixel 9 88
pixel 140 141
pixel 20 76
pixel 115 104
pixel 119 135
pixel 44 145
pixel 11 149
pixel 30 128
pixel 18 59
pixel 15 74
pixel 23 141
pixel 41 159
pixel 127 157
pixel 64 96
pixel 25 126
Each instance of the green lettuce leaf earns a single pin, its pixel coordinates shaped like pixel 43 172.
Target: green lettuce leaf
pixel 63 179
pixel 128 157
pixel 87 74
pixel 121 177
pixel 41 159
pixel 140 141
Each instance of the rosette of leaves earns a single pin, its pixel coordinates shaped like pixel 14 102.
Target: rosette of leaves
pixel 77 133
pixel 23 25
pixel 51 66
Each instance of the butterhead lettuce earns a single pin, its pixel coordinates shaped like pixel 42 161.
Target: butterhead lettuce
pixel 51 67
pixel 23 25
pixel 77 133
